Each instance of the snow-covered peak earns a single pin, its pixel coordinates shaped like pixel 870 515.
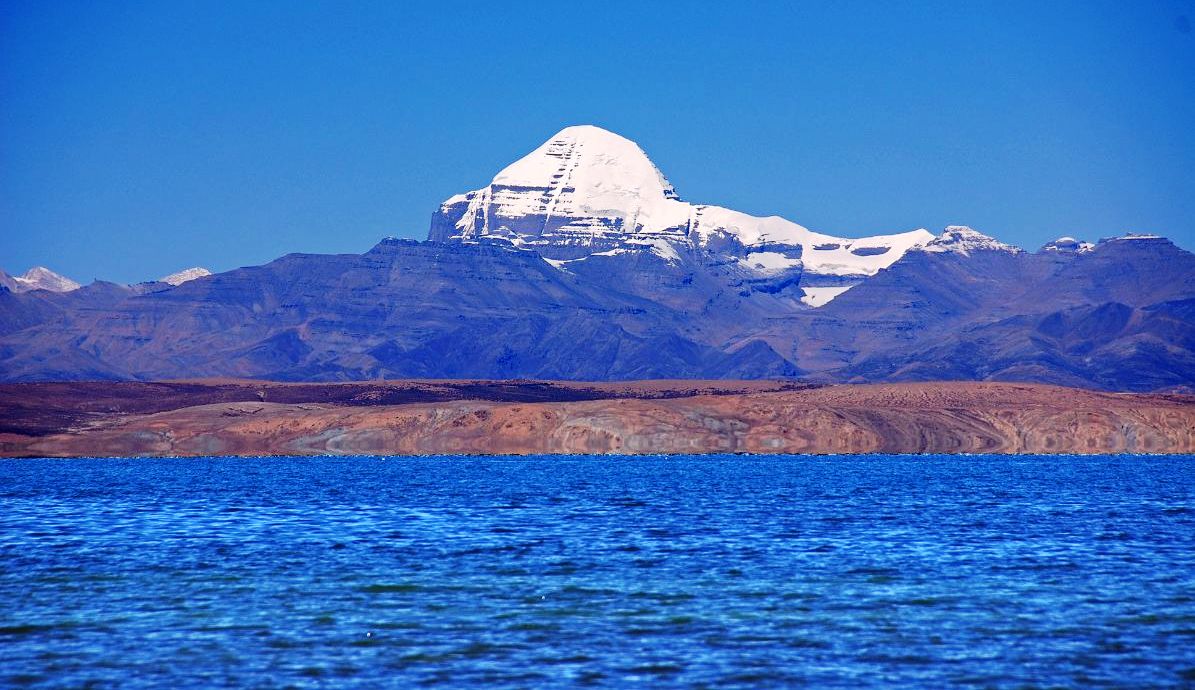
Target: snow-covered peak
pixel 185 275
pixel 42 278
pixel 1067 245
pixel 606 172
pixel 964 240
pixel 583 184
pixel 588 191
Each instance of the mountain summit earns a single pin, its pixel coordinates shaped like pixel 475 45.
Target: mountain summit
pixel 38 278
pixel 185 275
pixel 585 184
pixel 964 240
pixel 588 191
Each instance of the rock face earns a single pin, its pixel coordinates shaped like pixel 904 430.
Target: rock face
pixel 502 417
pixel 581 262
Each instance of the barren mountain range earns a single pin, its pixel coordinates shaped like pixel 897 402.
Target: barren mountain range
pixel 581 262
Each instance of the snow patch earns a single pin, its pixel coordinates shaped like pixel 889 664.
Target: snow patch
pixel 770 262
pixel 843 261
pixel 185 275
pixel 660 247
pixel 1066 245
pixel 820 296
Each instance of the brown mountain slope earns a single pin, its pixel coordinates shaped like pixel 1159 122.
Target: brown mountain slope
pixel 641 417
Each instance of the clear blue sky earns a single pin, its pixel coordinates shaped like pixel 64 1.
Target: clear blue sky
pixel 140 138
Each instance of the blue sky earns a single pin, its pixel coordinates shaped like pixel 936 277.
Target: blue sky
pixel 140 138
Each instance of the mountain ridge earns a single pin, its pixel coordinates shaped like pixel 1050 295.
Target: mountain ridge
pixel 569 266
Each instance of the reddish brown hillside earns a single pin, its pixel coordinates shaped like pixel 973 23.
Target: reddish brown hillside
pixel 431 417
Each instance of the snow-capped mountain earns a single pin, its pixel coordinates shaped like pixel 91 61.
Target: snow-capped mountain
pixel 580 261
pixel 964 240
pixel 185 275
pixel 1067 245
pixel 587 191
pixel 40 278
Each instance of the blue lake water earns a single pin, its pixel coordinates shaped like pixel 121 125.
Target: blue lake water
pixel 671 572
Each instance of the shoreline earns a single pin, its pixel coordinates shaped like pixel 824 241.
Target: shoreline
pixel 604 456
pixel 518 418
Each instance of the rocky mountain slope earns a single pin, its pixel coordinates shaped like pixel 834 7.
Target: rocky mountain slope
pixel 581 262
pixel 403 309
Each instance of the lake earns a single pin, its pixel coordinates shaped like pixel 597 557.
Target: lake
pixel 712 571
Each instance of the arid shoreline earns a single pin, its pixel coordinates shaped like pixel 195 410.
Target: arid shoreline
pixel 236 417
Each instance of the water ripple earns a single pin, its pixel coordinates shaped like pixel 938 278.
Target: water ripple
pixel 993 572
